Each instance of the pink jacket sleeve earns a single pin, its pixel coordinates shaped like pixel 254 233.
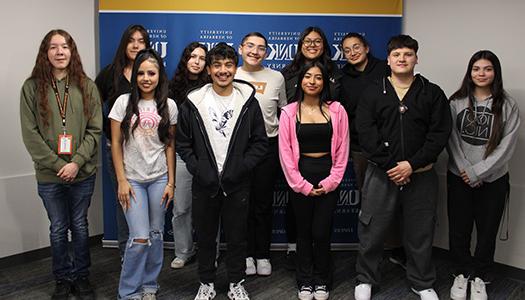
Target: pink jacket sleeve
pixel 289 163
pixel 339 153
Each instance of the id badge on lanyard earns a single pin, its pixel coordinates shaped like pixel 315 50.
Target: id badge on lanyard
pixel 65 141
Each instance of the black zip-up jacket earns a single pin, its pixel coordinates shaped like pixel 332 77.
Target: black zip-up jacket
pixel 353 83
pixel 417 136
pixel 248 143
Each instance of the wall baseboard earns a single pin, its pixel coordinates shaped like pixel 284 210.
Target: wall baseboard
pixel 37 254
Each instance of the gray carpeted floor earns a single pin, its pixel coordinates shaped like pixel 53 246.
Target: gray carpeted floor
pixel 33 280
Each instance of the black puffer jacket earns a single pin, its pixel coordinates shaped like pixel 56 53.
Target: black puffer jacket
pixel 388 136
pixel 248 142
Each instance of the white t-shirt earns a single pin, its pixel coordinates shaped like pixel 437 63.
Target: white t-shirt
pixel 270 92
pixel 222 117
pixel 144 153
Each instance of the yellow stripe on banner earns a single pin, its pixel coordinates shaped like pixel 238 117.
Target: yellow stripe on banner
pixel 365 7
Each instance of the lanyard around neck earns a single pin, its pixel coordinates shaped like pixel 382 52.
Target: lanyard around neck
pixel 62 105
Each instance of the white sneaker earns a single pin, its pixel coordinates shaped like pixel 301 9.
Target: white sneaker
pixel 427 294
pixel 250 266
pixel 264 267
pixel 458 291
pixel 305 293
pixel 237 291
pixel 363 291
pixel 206 292
pixel 149 296
pixel 478 290
pixel 178 263
pixel 321 292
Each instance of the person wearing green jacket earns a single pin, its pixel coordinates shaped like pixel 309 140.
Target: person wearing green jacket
pixel 61 120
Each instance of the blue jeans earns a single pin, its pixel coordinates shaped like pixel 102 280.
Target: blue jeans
pixel 143 260
pixel 67 207
pixel 181 221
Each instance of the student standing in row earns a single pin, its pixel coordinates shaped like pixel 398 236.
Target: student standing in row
pixel 406 121
pixel 61 121
pixel 312 46
pixel 143 149
pixel 486 122
pixel 271 95
pixel 313 149
pixel 113 81
pixel 221 138
pixel 189 74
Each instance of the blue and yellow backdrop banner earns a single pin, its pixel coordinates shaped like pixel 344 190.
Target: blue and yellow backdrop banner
pixel 174 24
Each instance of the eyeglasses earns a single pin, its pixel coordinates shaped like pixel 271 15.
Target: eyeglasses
pixel 251 46
pixel 317 42
pixel 356 48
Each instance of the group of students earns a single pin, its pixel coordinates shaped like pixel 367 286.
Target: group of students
pixel 218 132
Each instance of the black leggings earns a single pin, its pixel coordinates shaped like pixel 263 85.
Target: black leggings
pixel 314 224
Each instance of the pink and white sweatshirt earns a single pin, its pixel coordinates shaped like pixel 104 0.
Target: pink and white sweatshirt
pixel 289 152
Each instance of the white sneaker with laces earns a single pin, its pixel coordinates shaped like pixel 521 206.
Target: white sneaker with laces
pixel 458 291
pixel 250 266
pixel 305 293
pixel 237 291
pixel 206 292
pixel 264 267
pixel 363 291
pixel 149 296
pixel 427 294
pixel 321 292
pixel 478 290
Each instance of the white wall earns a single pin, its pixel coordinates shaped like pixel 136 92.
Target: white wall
pixel 449 32
pixel 23 24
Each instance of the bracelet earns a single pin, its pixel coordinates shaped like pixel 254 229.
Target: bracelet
pixel 170 185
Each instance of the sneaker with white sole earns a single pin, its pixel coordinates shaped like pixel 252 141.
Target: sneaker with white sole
pixel 478 290
pixel 426 294
pixel 250 266
pixel 206 292
pixel 237 291
pixel 179 263
pixel 363 291
pixel 458 291
pixel 305 293
pixel 264 267
pixel 321 292
pixel 149 296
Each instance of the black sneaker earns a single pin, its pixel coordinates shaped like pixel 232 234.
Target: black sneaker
pixel 62 290
pixel 398 257
pixel 83 288
pixel 290 262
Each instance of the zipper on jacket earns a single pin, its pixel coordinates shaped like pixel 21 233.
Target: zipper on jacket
pixel 402 134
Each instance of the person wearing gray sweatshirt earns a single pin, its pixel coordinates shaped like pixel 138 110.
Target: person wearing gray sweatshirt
pixel 483 139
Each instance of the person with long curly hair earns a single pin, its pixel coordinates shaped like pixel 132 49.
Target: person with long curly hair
pixel 61 120
pixel 143 148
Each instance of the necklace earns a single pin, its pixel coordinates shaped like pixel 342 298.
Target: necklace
pixel 310 109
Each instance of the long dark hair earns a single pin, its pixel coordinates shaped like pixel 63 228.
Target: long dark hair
pixel 43 74
pixel 299 60
pixel 181 83
pixel 324 97
pixel 121 60
pixel 499 95
pixel 161 97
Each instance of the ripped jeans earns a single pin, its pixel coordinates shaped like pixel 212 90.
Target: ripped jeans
pixel 143 259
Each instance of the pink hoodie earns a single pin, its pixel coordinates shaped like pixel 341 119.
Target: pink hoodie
pixel 289 148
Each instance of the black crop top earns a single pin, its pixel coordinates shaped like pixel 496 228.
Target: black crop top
pixel 314 137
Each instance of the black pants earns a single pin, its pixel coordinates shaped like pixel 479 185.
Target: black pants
pixel 382 200
pixel 233 211
pixel 314 217
pixel 482 206
pixel 260 212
